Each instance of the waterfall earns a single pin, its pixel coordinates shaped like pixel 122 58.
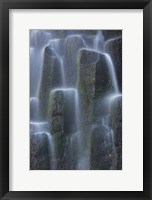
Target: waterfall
pixel 99 41
pixel 51 148
pixel 106 116
pixel 40 128
pixel 112 71
pixel 57 58
pixel 110 99
pixel 38 41
pixel 34 109
pixel 62 67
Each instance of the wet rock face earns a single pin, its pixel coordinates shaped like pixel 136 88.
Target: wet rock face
pixel 86 84
pixel 61 118
pixel 102 156
pixel 84 133
pixel 55 113
pixel 39 155
pixel 62 112
pixel 51 78
pixel 103 82
pixel 116 124
pixel 93 82
pixel 72 44
pixel 114 48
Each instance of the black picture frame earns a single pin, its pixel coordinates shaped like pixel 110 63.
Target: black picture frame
pixel 5 5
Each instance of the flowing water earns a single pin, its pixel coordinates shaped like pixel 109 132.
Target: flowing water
pixel 79 155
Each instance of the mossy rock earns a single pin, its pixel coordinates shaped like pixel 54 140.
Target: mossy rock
pixel 39 153
pixel 114 48
pixel 51 78
pixel 94 81
pixel 61 119
pixel 55 114
pixel 116 124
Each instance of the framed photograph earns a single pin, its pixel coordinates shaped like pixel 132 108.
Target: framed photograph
pixel 75 99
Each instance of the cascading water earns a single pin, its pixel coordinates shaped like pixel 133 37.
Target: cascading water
pixel 62 67
pixel 112 71
pixel 34 109
pixel 69 110
pixel 36 60
pixel 99 41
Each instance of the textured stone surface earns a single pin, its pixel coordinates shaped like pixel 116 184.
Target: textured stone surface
pixel 102 152
pixel 86 84
pixel 61 118
pixel 83 57
pixel 116 124
pixel 94 84
pixel 51 78
pixel 39 155
pixel 114 48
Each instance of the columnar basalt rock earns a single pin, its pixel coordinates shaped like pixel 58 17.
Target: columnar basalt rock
pixel 72 45
pixel 51 78
pixel 86 85
pixel 113 46
pixel 93 82
pixel 61 118
pixel 75 105
pixel 39 153
pixel 116 124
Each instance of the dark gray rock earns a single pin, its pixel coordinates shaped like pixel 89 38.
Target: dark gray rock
pixel 61 118
pixel 39 154
pixel 86 84
pixel 102 152
pixel 114 48
pixel 94 81
pixel 51 78
pixel 116 124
